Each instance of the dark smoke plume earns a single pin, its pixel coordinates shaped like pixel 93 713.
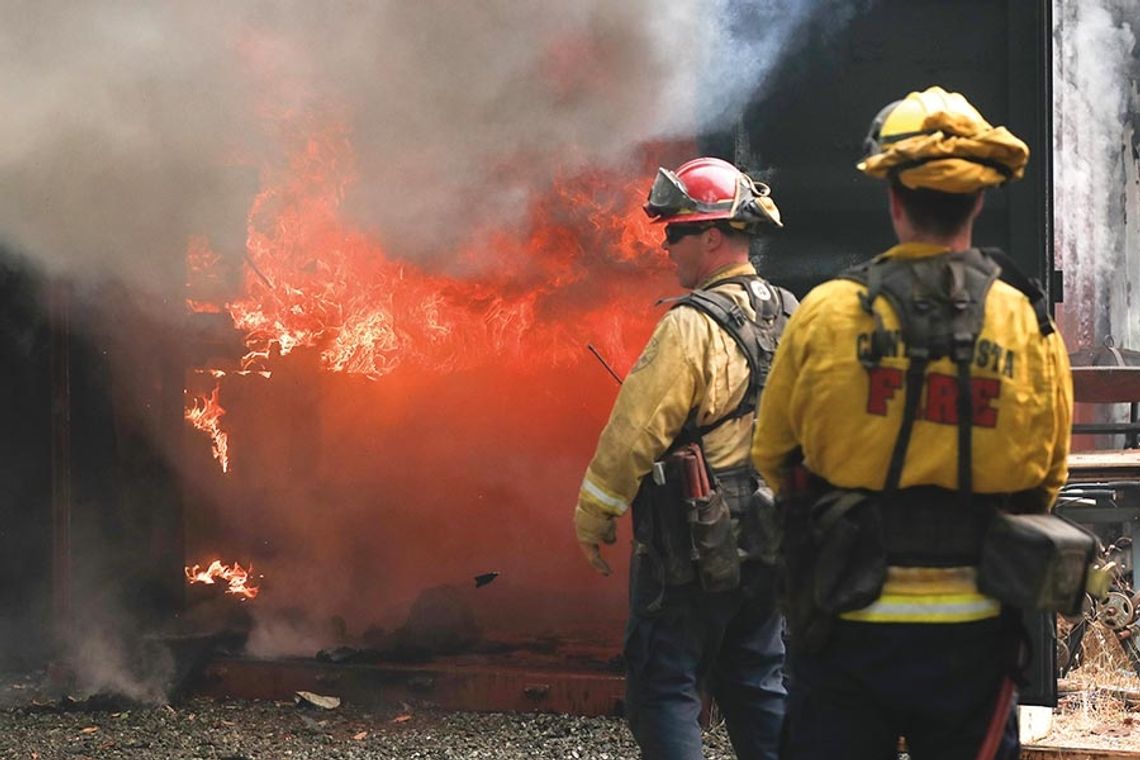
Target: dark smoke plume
pixel 126 121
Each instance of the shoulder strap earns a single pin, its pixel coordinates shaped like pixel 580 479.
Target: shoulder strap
pixel 972 273
pixel 870 275
pixel 755 338
pixel 788 302
pixel 1012 275
pixel 733 320
pixel 768 301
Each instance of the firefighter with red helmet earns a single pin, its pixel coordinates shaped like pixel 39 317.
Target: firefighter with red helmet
pixel 915 403
pixel 703 617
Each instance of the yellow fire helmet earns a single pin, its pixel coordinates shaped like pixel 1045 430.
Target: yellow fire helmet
pixel 936 140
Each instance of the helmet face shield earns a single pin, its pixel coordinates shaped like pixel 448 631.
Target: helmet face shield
pixel 668 196
pixel 873 142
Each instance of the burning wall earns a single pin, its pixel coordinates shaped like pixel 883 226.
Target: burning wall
pixel 385 413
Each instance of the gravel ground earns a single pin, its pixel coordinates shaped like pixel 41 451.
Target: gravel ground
pixel 256 730
pixel 34 726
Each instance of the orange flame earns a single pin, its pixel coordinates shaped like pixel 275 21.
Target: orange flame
pixel 202 307
pixel 235 575
pixel 205 414
pixel 581 268
pixel 313 281
pixel 203 277
pixel 201 260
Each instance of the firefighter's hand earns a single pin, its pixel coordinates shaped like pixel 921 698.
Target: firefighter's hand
pixel 594 556
pixel 594 528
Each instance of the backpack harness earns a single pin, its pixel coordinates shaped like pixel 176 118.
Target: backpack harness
pixel 940 303
pixel 756 339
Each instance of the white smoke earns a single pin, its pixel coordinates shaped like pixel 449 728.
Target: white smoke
pixel 102 663
pixel 1096 171
pixel 1125 317
pixel 745 40
pixel 107 655
pixel 131 126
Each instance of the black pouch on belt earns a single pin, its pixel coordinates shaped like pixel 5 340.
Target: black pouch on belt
pixel 714 542
pixel 661 530
pixel 1036 562
pixel 761 531
pixel 850 556
pixel 833 556
pixel 711 531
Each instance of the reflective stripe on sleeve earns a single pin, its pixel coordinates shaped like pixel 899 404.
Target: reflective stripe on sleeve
pixel 595 493
pixel 933 608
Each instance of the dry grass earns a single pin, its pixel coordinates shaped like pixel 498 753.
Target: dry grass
pixel 1099 703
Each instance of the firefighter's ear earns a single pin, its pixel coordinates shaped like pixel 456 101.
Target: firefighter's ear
pixel 899 219
pixel 712 238
pixel 894 203
pixel 978 206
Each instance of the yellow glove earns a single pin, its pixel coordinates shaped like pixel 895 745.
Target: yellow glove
pixel 594 527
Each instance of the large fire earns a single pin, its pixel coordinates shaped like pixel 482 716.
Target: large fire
pixel 237 578
pixel 450 395
pixel 315 282
pixel 312 281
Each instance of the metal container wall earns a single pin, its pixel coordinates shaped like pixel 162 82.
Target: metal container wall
pixel 806 128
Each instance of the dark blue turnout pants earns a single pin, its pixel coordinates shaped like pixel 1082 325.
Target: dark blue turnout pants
pixel 729 644
pixel 935 684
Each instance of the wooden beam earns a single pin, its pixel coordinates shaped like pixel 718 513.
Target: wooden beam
pixel 1106 385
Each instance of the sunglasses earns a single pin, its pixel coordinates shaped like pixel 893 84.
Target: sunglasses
pixel 675 233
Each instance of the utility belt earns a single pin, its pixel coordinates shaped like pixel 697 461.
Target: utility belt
pixel 838 543
pixel 695 526
pixel 926 526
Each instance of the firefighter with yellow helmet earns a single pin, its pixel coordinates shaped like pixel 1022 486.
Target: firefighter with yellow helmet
pixel 703 608
pixel 911 400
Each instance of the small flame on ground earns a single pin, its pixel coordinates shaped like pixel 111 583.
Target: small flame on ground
pixel 203 307
pixel 205 414
pixel 220 373
pixel 235 575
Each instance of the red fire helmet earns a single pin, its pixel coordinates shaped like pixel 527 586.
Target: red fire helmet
pixel 709 189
